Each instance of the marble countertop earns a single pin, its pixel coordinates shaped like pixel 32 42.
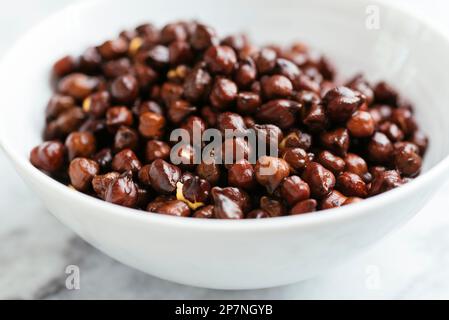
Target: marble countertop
pixel 413 263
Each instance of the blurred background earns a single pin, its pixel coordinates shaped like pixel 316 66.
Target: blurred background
pixel 36 249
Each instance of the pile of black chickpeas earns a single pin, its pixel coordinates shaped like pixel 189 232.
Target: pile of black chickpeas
pixel 109 121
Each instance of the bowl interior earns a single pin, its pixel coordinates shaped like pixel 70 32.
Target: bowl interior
pixel 402 50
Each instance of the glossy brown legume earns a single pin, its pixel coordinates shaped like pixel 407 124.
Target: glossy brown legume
pixel 49 156
pixel 151 125
pixel 80 144
pixel 407 159
pixel 266 60
pixel 104 159
pixel 341 102
pixel 352 185
pixel 257 214
pixel 297 139
pixel 118 116
pixel 270 172
pixel 331 162
pixel 224 93
pixel 320 180
pixel 156 150
pixel 206 212
pixel 126 160
pixel 242 175
pixel 272 206
pixel 112 49
pixel 337 141
pixel 220 59
pixel 384 181
pixel 193 190
pixel 57 105
pixel 126 138
pixel 164 176
pixel 293 190
pixel 172 208
pixel 230 203
pixel 361 124
pixel 246 73
pixel 356 164
pixel 81 173
pixel 297 158
pixel 209 172
pixel 279 112
pixel 248 102
pixel 64 66
pixel 333 200
pixel 122 191
pixel 97 104
pixel 124 89
pixel 276 86
pixel 305 206
pixel 77 85
pixel 230 121
pixel 100 183
pixel 380 148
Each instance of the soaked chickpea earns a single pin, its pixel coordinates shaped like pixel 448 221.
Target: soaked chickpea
pixel 320 180
pixel 49 156
pixel 126 160
pixel 361 124
pixel 305 206
pixel 77 85
pixel 294 189
pixel 151 125
pixel 122 191
pixel 242 175
pixel 341 102
pixel 333 200
pixel 81 172
pixel 331 162
pixel 270 172
pixel 224 93
pixel 276 86
pixel 380 148
pixel 80 144
pixel 221 59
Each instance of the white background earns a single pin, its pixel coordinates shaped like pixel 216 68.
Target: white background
pixel 35 249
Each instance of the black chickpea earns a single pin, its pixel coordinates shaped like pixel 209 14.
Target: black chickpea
pixel 48 156
pixel 294 190
pixel 80 144
pixel 380 148
pixel 242 175
pixel 81 173
pixel 220 59
pixel 270 172
pixel 320 180
pixel 331 162
pixel 333 200
pixel 126 160
pixel 224 93
pixel 276 86
pixel 77 85
pixel 361 124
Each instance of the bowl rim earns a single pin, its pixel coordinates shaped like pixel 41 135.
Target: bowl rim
pixel 249 225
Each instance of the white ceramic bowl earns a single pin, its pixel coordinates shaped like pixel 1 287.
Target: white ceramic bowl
pixel 406 51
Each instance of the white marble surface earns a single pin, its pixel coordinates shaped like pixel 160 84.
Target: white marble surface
pixel 412 263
